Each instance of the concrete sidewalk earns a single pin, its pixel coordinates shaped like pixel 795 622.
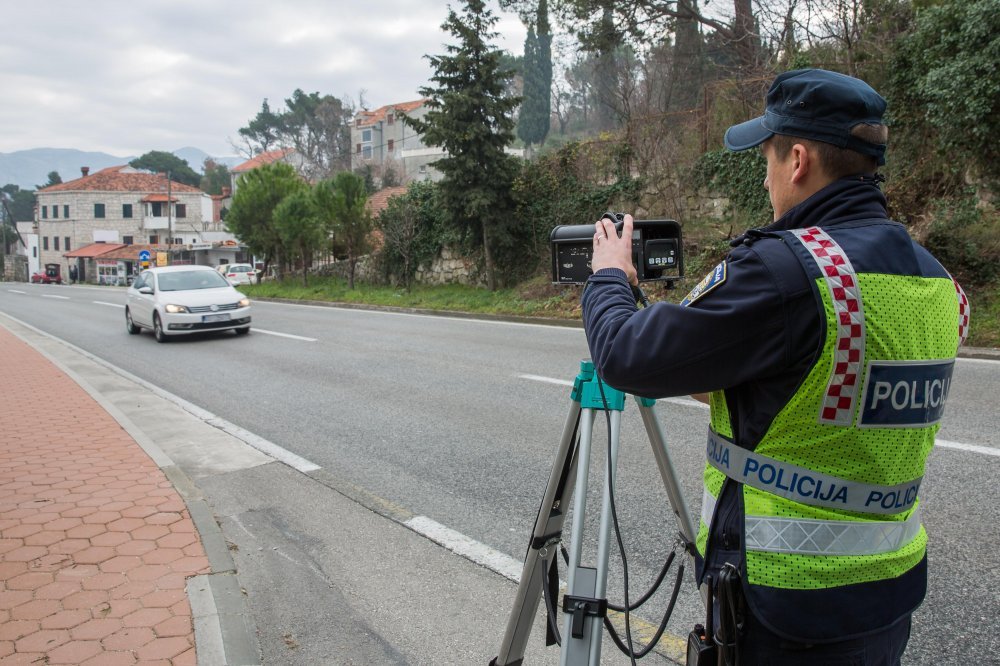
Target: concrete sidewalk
pixel 97 545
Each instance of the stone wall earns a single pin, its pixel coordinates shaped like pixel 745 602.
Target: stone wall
pixel 448 268
pixel 15 268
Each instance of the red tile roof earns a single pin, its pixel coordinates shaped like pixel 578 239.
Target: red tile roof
pixel 378 201
pixel 119 179
pixel 157 197
pixel 262 159
pixel 93 250
pixel 368 118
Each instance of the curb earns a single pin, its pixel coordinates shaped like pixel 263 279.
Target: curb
pixel 224 629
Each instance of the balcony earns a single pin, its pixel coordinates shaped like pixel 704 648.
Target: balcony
pixel 150 222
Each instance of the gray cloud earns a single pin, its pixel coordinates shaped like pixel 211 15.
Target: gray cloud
pixel 128 77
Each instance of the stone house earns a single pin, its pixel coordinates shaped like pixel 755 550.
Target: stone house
pixel 381 139
pixel 121 205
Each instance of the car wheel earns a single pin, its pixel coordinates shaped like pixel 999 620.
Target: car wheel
pixel 242 331
pixel 158 329
pixel 129 324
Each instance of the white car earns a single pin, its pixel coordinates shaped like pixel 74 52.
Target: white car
pixel 179 300
pixel 239 273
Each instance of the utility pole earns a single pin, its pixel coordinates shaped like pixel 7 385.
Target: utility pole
pixel 170 224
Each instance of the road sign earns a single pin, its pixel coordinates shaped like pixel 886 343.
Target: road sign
pixel 143 255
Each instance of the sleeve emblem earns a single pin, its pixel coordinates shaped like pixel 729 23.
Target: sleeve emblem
pixel 716 277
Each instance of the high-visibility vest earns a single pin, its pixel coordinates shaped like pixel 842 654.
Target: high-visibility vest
pixel 832 541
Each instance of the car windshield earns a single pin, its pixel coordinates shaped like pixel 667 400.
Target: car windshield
pixel 184 280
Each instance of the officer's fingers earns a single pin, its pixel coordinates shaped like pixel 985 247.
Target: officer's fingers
pixel 627 227
pixel 608 227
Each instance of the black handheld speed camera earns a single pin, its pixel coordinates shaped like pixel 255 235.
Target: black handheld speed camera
pixel 656 250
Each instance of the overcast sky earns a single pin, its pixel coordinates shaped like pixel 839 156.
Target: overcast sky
pixel 129 76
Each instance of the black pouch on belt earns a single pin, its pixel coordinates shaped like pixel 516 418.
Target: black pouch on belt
pixel 701 650
pixel 732 609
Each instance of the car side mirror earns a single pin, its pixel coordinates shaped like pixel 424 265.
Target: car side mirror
pixel 145 290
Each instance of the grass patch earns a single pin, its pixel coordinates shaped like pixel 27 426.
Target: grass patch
pixel 984 324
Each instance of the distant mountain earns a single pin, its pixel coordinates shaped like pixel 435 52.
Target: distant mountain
pixel 29 168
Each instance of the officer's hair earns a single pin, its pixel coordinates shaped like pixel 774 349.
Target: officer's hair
pixel 837 162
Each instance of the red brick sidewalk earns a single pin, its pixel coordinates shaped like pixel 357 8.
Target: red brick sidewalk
pixel 95 543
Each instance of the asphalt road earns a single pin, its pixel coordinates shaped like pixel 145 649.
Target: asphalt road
pixel 458 420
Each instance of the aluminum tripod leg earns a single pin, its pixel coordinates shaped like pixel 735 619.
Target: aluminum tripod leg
pixel 582 632
pixel 545 538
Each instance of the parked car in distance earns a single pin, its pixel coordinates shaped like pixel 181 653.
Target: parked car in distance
pixel 180 300
pixel 239 273
pixel 51 275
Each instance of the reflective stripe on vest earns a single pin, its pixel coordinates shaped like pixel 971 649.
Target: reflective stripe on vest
pixel 806 486
pixel 849 351
pixel 963 313
pixel 821 537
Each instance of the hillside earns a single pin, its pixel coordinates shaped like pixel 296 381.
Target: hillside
pixel 30 168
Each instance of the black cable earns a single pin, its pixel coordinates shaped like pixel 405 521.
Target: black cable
pixel 663 623
pixel 652 590
pixel 614 518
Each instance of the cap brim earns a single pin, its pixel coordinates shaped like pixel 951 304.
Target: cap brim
pixel 747 135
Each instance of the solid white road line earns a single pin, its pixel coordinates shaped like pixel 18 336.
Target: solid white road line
pixel 469 548
pixel 687 402
pixel 114 305
pixel 62 298
pixel 284 335
pixel 15 291
pixel 974 448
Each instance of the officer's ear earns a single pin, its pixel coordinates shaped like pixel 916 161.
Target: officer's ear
pixel 803 163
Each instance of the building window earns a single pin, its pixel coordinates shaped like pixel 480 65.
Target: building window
pixel 66 243
pixel 55 212
pixel 390 118
pixel 156 209
pixel 45 209
pixel 389 145
pixel 34 251
pixel 180 210
pixel 154 240
pixel 366 136
pixel 98 210
pixel 126 210
pixel 55 243
pixel 127 240
pixel 66 211
pixel 45 243
pixel 367 152
pixel 358 150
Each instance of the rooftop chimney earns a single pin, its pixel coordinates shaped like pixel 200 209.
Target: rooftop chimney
pixel 85 171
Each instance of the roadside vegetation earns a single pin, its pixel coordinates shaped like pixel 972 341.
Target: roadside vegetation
pixel 635 124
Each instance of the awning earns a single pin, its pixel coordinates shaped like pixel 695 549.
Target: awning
pixel 92 250
pixel 131 252
pixel 152 198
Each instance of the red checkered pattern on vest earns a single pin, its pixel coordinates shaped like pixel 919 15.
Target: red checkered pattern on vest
pixel 963 313
pixel 849 349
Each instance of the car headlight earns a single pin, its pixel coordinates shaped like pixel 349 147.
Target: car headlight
pixel 174 309
pixel 244 302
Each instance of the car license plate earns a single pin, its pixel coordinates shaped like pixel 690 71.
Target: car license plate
pixel 215 317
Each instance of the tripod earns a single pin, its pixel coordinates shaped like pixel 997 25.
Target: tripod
pixel 585 603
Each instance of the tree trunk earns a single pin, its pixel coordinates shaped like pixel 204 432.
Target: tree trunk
pixel 491 279
pixel 305 272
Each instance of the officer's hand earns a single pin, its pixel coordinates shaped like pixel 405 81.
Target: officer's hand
pixel 610 251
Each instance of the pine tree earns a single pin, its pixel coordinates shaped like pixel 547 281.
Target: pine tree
pixel 469 115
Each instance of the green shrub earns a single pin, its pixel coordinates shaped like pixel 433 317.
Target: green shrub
pixel 965 238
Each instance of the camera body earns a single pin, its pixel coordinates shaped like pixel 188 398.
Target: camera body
pixel 656 250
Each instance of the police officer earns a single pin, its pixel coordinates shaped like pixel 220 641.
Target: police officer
pixel 826 341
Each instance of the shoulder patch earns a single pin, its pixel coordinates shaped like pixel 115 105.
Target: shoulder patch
pixel 710 282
